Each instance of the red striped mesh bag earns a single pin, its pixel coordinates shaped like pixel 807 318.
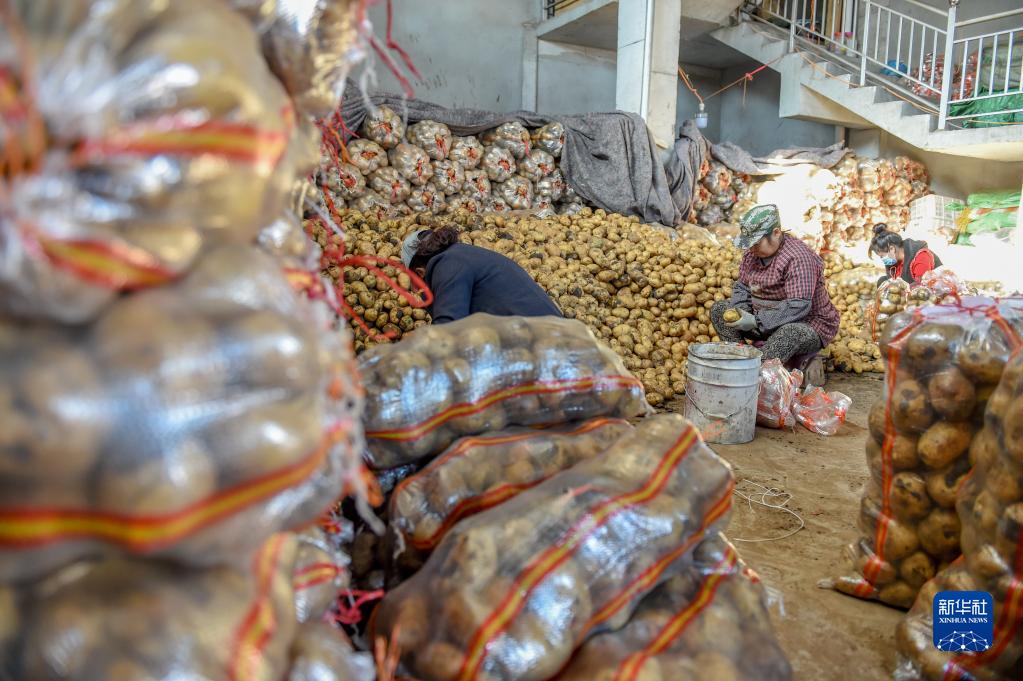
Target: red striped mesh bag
pixel 321 573
pixel 480 472
pixel 121 171
pixel 512 591
pixel 990 506
pixel 708 622
pixel 188 422
pixel 128 619
pixel 943 364
pixel 485 373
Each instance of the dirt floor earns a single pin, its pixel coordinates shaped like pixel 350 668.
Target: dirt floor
pixel 827 635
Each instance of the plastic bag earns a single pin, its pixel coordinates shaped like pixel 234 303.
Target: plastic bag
pixel 367 155
pixel 371 203
pixel 512 591
pixel 320 574
pixel 779 389
pixel 448 176
pixel 428 199
pixel 345 180
pixel 139 170
pixel 390 185
pixel 465 204
pixel 544 161
pixel 821 412
pixel 188 422
pixel 709 622
pixel 433 137
pixel 477 185
pixel 718 178
pixel 496 204
pixel 990 507
pixel 942 364
pixel 384 127
pixel 122 619
pixel 514 137
pixel 467 151
pixel 529 169
pixel 516 191
pixel 477 473
pixel 711 215
pixel 322 653
pixel 311 47
pixel 412 162
pixel 499 164
pixel 485 373
pixel 550 138
pixel 944 285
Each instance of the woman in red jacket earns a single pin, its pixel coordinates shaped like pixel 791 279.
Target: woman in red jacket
pixel 905 259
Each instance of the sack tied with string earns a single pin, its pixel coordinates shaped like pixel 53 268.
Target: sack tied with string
pixel 188 422
pixel 990 507
pixel 485 373
pixel 511 592
pixel 708 622
pixel 943 365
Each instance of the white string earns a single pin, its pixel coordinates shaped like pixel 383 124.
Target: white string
pixel 769 497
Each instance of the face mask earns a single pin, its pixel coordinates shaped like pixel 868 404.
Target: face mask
pixel 889 262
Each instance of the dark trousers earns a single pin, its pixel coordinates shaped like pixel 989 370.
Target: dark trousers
pixel 784 343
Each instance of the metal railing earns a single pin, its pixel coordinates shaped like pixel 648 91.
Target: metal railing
pixel 551 8
pixel 904 45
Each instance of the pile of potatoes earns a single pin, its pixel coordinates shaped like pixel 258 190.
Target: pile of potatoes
pixel 850 287
pixel 925 435
pixel 641 289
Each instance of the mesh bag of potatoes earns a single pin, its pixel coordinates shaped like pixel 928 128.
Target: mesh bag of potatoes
pixel 477 473
pixel 990 506
pixel 140 169
pixel 126 619
pixel 322 653
pixel 188 422
pixel 311 47
pixel 708 622
pixel 320 574
pixel 943 364
pixel 484 373
pixel 512 591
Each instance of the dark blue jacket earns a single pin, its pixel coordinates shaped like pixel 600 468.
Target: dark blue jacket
pixel 466 279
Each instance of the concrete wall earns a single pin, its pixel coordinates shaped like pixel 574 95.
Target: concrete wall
pixel 754 124
pixel 572 79
pixel 688 105
pixel 955 176
pixel 468 51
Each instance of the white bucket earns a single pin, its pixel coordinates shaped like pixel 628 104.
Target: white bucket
pixel 721 391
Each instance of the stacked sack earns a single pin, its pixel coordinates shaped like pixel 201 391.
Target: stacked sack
pixel 990 508
pixel 839 206
pixel 717 193
pixel 850 288
pixel 172 407
pixel 943 365
pixel 393 170
pixel 513 591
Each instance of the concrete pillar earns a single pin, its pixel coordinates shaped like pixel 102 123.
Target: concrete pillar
pixel 647 81
pixel 530 66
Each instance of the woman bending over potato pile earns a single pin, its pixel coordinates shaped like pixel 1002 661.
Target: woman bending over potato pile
pixel 780 301
pixel 466 279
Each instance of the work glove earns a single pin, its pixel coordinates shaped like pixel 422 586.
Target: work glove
pixel 747 322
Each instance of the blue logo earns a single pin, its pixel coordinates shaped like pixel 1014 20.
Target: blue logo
pixel 964 621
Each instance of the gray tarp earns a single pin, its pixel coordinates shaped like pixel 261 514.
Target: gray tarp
pixel 610 159
pixel 683 165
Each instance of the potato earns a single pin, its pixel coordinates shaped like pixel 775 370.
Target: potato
pixel 939 533
pixel 911 410
pixel 943 443
pixel 732 315
pixel 917 569
pixel 942 485
pixel 952 394
pixel 909 499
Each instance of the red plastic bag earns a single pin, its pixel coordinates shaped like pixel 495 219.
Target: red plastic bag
pixel 779 388
pixel 821 412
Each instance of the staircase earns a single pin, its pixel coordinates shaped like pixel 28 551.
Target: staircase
pixel 875 78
